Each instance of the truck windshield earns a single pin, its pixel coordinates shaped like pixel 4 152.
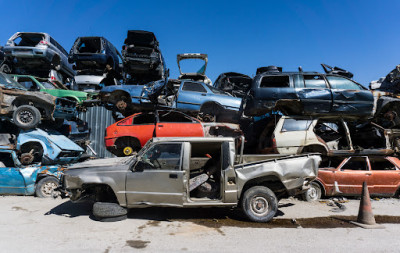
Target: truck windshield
pixel 8 82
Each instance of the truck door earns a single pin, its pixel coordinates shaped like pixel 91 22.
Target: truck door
pixel 349 97
pixel 352 174
pixel 11 178
pixel 314 93
pixel 229 174
pixel 176 124
pixel 157 177
pixel 191 96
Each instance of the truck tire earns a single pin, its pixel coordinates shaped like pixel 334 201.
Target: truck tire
pixel 259 204
pixel 44 188
pixel 314 193
pixel 26 117
pixel 108 212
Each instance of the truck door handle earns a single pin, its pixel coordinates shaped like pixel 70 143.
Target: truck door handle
pixel 160 125
pixel 173 176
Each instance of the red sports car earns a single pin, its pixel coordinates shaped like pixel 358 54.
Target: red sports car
pixel 129 135
pixel 382 175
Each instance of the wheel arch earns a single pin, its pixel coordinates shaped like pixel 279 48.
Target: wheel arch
pixel 115 95
pixel 271 181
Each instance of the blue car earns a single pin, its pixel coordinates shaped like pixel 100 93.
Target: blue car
pixel 16 179
pixel 196 98
pixel 47 147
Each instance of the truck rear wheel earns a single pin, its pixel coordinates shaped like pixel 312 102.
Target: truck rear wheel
pixel 259 204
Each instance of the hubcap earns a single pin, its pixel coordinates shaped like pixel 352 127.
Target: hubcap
pixel 259 206
pixel 312 193
pixel 25 116
pixel 48 188
pixel 128 150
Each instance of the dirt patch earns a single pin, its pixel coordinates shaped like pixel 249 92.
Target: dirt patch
pixel 137 244
pixel 154 223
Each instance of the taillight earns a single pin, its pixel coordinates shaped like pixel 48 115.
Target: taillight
pixel 43 42
pixel 274 144
pixel 52 78
pixel 70 128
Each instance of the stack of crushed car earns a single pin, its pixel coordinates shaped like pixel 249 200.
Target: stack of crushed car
pixel 198 143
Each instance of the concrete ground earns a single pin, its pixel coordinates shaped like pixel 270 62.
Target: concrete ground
pixel 29 224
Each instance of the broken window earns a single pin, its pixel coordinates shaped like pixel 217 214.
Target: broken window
pixel 166 156
pixel 28 39
pixel 381 164
pixel 295 125
pixel 28 83
pixel 144 118
pixel 275 82
pixel 341 83
pixel 356 163
pixel 6 160
pixel 196 87
pixel 174 117
pixel 89 45
pixel 314 81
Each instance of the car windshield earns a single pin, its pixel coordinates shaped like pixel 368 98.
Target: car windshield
pixel 49 85
pixel 193 66
pixel 8 82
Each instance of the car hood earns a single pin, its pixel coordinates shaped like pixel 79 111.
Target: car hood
pixel 106 163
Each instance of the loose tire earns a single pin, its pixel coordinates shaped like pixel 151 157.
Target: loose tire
pixel 314 193
pixel 26 117
pixel 259 204
pixel 105 211
pixel 45 187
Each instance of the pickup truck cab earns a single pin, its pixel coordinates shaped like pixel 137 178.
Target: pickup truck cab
pixel 191 172
pixel 308 93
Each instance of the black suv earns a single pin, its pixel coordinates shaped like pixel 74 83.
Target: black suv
pixel 92 54
pixel 143 60
pixel 307 93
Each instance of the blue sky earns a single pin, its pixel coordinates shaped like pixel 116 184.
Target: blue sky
pixel 361 36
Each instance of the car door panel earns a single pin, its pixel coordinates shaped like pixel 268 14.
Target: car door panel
pixel 12 181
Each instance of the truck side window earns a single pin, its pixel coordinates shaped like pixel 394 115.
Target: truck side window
pixel 166 156
pixel 356 163
pixel 196 87
pixel 340 83
pixel 314 81
pixel 275 82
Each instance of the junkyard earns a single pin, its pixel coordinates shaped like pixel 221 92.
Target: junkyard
pixel 115 140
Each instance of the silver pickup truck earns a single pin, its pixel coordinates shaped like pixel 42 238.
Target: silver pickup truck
pixel 191 172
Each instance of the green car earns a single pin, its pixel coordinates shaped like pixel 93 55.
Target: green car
pixel 53 88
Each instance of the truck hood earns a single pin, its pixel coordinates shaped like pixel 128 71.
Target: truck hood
pixel 106 163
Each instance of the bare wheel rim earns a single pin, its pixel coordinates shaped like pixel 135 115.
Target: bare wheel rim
pixel 25 116
pixel 128 151
pixel 259 206
pixel 312 193
pixel 48 188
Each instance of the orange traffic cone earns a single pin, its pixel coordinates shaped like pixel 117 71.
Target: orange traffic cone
pixel 365 217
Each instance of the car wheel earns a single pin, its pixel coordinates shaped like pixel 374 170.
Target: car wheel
pixel 46 186
pixel 26 117
pixel 108 212
pixel 259 204
pixel 314 193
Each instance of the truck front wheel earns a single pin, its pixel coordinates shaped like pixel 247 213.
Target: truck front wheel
pixel 259 204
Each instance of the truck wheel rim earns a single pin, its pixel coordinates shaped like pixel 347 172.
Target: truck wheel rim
pixel 48 188
pixel 128 150
pixel 25 116
pixel 259 206
pixel 312 193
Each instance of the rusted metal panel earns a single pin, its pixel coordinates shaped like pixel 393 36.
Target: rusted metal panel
pixel 98 119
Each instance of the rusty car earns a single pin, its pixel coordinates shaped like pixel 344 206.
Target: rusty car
pixel 16 179
pixel 26 108
pixel 190 172
pixel 347 174
pixel 129 135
